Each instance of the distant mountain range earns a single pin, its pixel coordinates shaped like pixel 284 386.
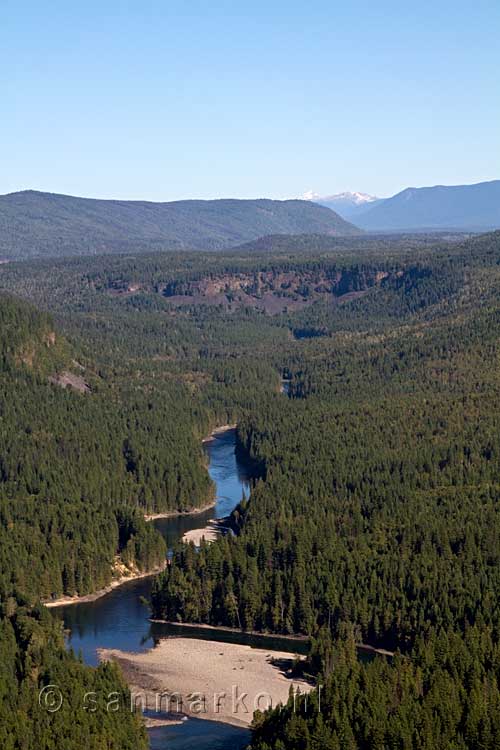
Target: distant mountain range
pixel 34 224
pixel 348 205
pixel 471 207
pixel 45 224
pixel 441 207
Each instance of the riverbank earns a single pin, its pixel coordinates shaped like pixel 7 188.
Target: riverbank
pixel 180 513
pixel 218 430
pixel 193 511
pixel 63 601
pixel 151 722
pixel 209 533
pixel 207 679
pixel 208 506
pixel 236 631
pixel 299 639
pixel 367 649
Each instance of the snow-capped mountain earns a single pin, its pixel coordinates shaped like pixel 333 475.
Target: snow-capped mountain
pixel 346 204
pixel 475 207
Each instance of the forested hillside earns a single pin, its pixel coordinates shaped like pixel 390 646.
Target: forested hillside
pixel 45 224
pixel 61 530
pixel 378 512
pixel 375 515
pixel 79 470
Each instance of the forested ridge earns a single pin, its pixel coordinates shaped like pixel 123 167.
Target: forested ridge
pixel 375 514
pixel 473 206
pixel 38 224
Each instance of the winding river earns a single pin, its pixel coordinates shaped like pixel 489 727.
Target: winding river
pixel 120 619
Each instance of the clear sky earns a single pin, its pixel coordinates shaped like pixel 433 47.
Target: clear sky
pixel 165 100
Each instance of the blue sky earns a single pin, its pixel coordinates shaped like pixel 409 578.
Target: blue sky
pixel 169 100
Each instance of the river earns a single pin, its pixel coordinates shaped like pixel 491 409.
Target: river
pixel 119 620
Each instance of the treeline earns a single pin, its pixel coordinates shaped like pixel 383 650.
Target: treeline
pixel 446 696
